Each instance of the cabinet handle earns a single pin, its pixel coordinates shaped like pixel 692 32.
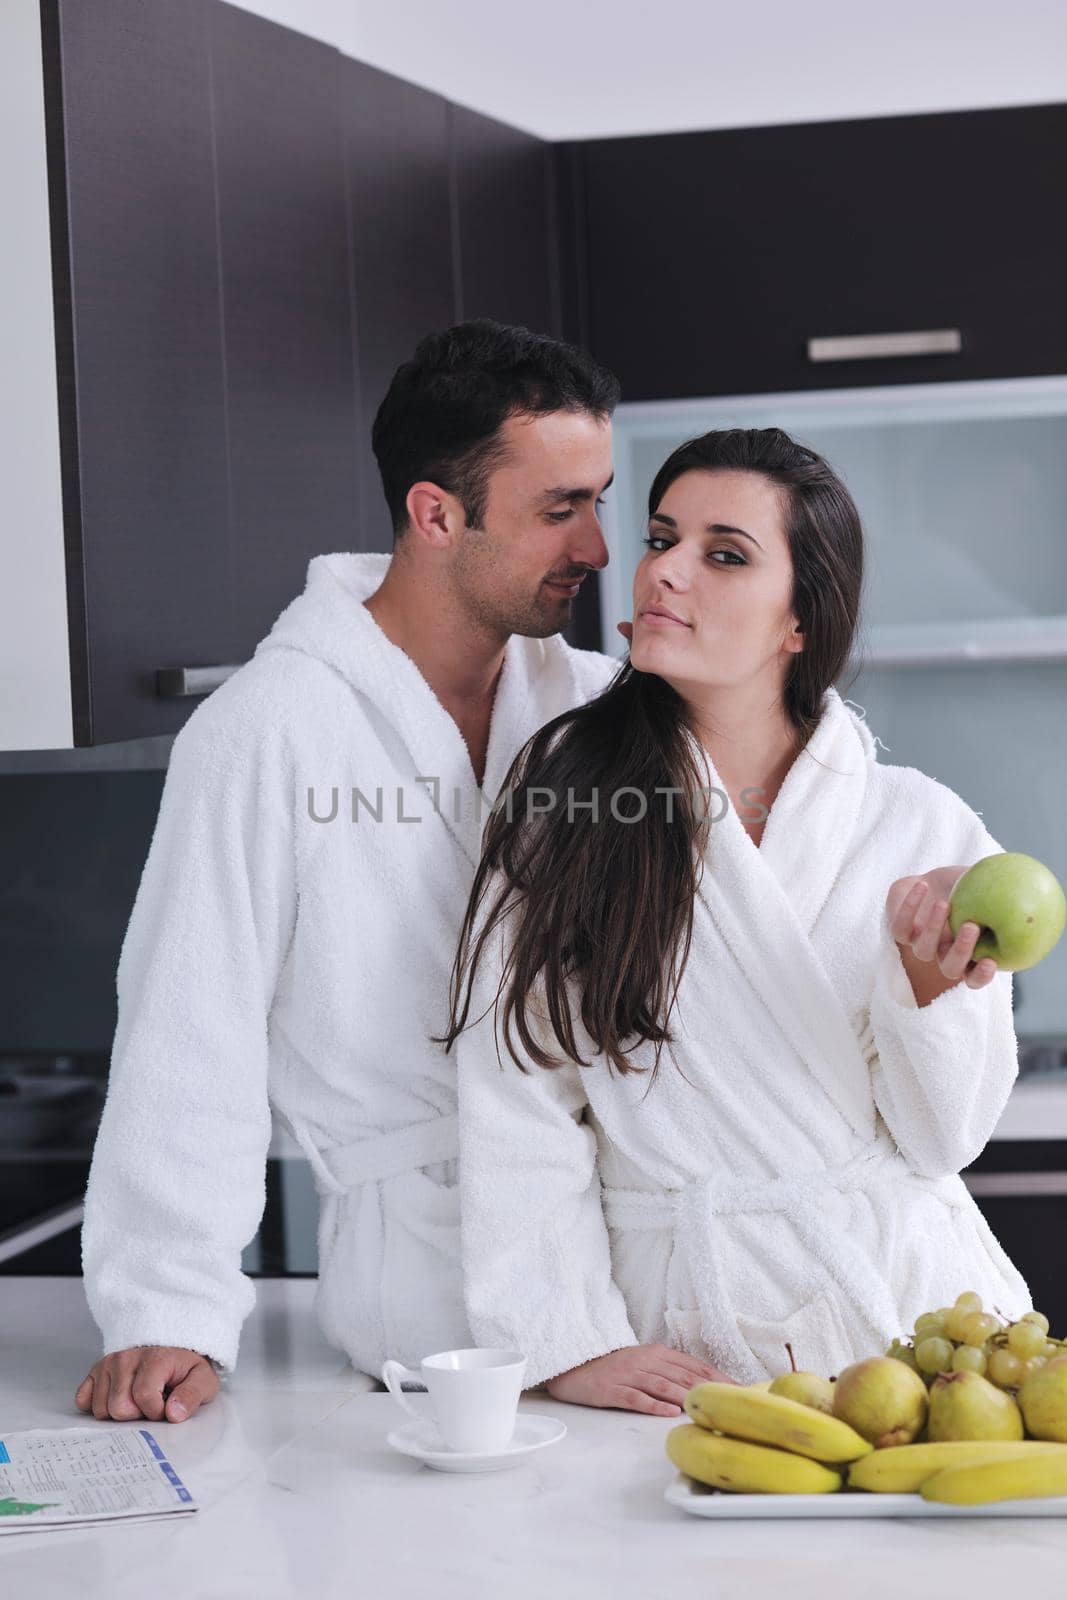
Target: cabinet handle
pixel 173 682
pixel 873 346
pixel 1016 1184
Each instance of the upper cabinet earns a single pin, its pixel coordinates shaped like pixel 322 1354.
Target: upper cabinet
pixel 248 233
pixel 720 263
pixel 504 197
pixel 396 139
pixel 231 235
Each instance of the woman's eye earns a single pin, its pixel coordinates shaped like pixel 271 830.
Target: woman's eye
pixel 738 561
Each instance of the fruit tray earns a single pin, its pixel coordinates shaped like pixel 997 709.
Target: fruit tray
pixel 699 1501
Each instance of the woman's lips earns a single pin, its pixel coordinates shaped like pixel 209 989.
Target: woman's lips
pixel 655 619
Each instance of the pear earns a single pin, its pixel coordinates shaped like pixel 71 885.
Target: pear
pixel 964 1405
pixel 884 1400
pixel 807 1388
pixel 1043 1401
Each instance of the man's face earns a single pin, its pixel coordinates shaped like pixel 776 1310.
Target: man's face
pixel 541 530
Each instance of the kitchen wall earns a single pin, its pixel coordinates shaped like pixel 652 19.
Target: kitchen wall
pixel 33 623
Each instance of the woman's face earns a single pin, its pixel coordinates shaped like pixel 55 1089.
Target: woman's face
pixel 718 558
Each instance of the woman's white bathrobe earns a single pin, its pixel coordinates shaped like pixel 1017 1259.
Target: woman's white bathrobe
pixel 802 1184
pixel 281 953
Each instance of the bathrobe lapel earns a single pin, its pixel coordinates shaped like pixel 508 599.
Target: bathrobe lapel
pixel 439 778
pixel 764 901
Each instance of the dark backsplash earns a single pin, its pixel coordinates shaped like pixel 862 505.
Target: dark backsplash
pixel 72 849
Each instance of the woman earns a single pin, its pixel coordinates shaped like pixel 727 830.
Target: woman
pixel 833 1056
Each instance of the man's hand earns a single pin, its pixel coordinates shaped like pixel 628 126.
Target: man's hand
pixel 132 1383
pixel 639 1377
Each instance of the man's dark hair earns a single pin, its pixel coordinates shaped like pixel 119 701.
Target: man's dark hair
pixel 444 409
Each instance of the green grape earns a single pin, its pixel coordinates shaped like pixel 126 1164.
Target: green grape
pixel 904 1352
pixel 956 1322
pixel 933 1355
pixel 969 1301
pixel 979 1327
pixel 1051 1351
pixel 1026 1339
pixel 929 1324
pixel 1034 1364
pixel 1005 1369
pixel 968 1358
pixel 1036 1316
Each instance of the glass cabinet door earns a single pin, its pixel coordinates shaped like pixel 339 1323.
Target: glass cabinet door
pixel 961 658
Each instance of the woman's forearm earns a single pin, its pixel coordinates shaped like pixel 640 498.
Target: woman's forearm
pixel 926 978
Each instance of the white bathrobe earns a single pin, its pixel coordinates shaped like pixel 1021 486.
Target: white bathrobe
pixel 802 1184
pixel 276 957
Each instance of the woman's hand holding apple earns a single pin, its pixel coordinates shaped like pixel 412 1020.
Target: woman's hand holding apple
pixel 917 909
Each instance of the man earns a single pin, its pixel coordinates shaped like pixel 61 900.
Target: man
pixel 293 934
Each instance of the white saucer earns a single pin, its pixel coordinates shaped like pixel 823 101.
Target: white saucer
pixel 422 1440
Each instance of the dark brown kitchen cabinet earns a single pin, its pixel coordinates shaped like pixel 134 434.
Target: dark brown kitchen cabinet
pixel 711 259
pixel 210 393
pixel 396 143
pixel 140 355
pixel 250 232
pixel 286 291
pixel 506 249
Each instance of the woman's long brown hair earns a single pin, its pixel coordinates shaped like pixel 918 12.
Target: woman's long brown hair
pixel 600 902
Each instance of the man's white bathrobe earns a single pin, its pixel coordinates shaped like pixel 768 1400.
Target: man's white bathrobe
pixel 281 953
pixel 792 1172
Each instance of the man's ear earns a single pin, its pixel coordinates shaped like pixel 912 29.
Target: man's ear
pixel 434 516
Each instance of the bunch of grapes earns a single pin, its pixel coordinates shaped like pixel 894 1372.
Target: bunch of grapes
pixel 966 1338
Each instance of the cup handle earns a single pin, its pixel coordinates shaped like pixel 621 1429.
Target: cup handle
pixel 393 1374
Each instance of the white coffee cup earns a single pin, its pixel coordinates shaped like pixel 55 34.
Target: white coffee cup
pixel 474 1394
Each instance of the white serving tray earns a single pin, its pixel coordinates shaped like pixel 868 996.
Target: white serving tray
pixel 701 1502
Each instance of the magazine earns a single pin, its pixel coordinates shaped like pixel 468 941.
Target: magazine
pixel 67 1477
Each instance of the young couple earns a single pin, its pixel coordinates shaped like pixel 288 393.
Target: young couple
pixel 666 1060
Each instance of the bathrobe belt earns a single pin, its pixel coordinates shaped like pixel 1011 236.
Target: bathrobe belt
pixel 691 1213
pixel 387 1155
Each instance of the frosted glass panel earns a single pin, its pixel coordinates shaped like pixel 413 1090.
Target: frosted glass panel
pixel 997 736
pixel 962 489
pixel 963 520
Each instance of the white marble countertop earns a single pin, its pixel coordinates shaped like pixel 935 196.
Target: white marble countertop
pixel 301 1496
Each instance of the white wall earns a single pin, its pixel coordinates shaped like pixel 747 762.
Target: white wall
pixel 35 706
pixel 602 67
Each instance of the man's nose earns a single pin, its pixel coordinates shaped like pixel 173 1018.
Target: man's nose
pixel 591 549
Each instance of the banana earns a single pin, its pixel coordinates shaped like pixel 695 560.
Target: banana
pixel 904 1468
pixel 1030 1478
pixel 772 1419
pixel 746 1468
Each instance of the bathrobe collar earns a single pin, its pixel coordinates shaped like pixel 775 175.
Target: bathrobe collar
pixel 764 900
pixel 329 622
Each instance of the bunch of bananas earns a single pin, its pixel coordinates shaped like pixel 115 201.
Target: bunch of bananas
pixel 749 1441
pixel 758 1443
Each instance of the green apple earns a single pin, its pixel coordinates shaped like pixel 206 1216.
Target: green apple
pixel 1018 904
